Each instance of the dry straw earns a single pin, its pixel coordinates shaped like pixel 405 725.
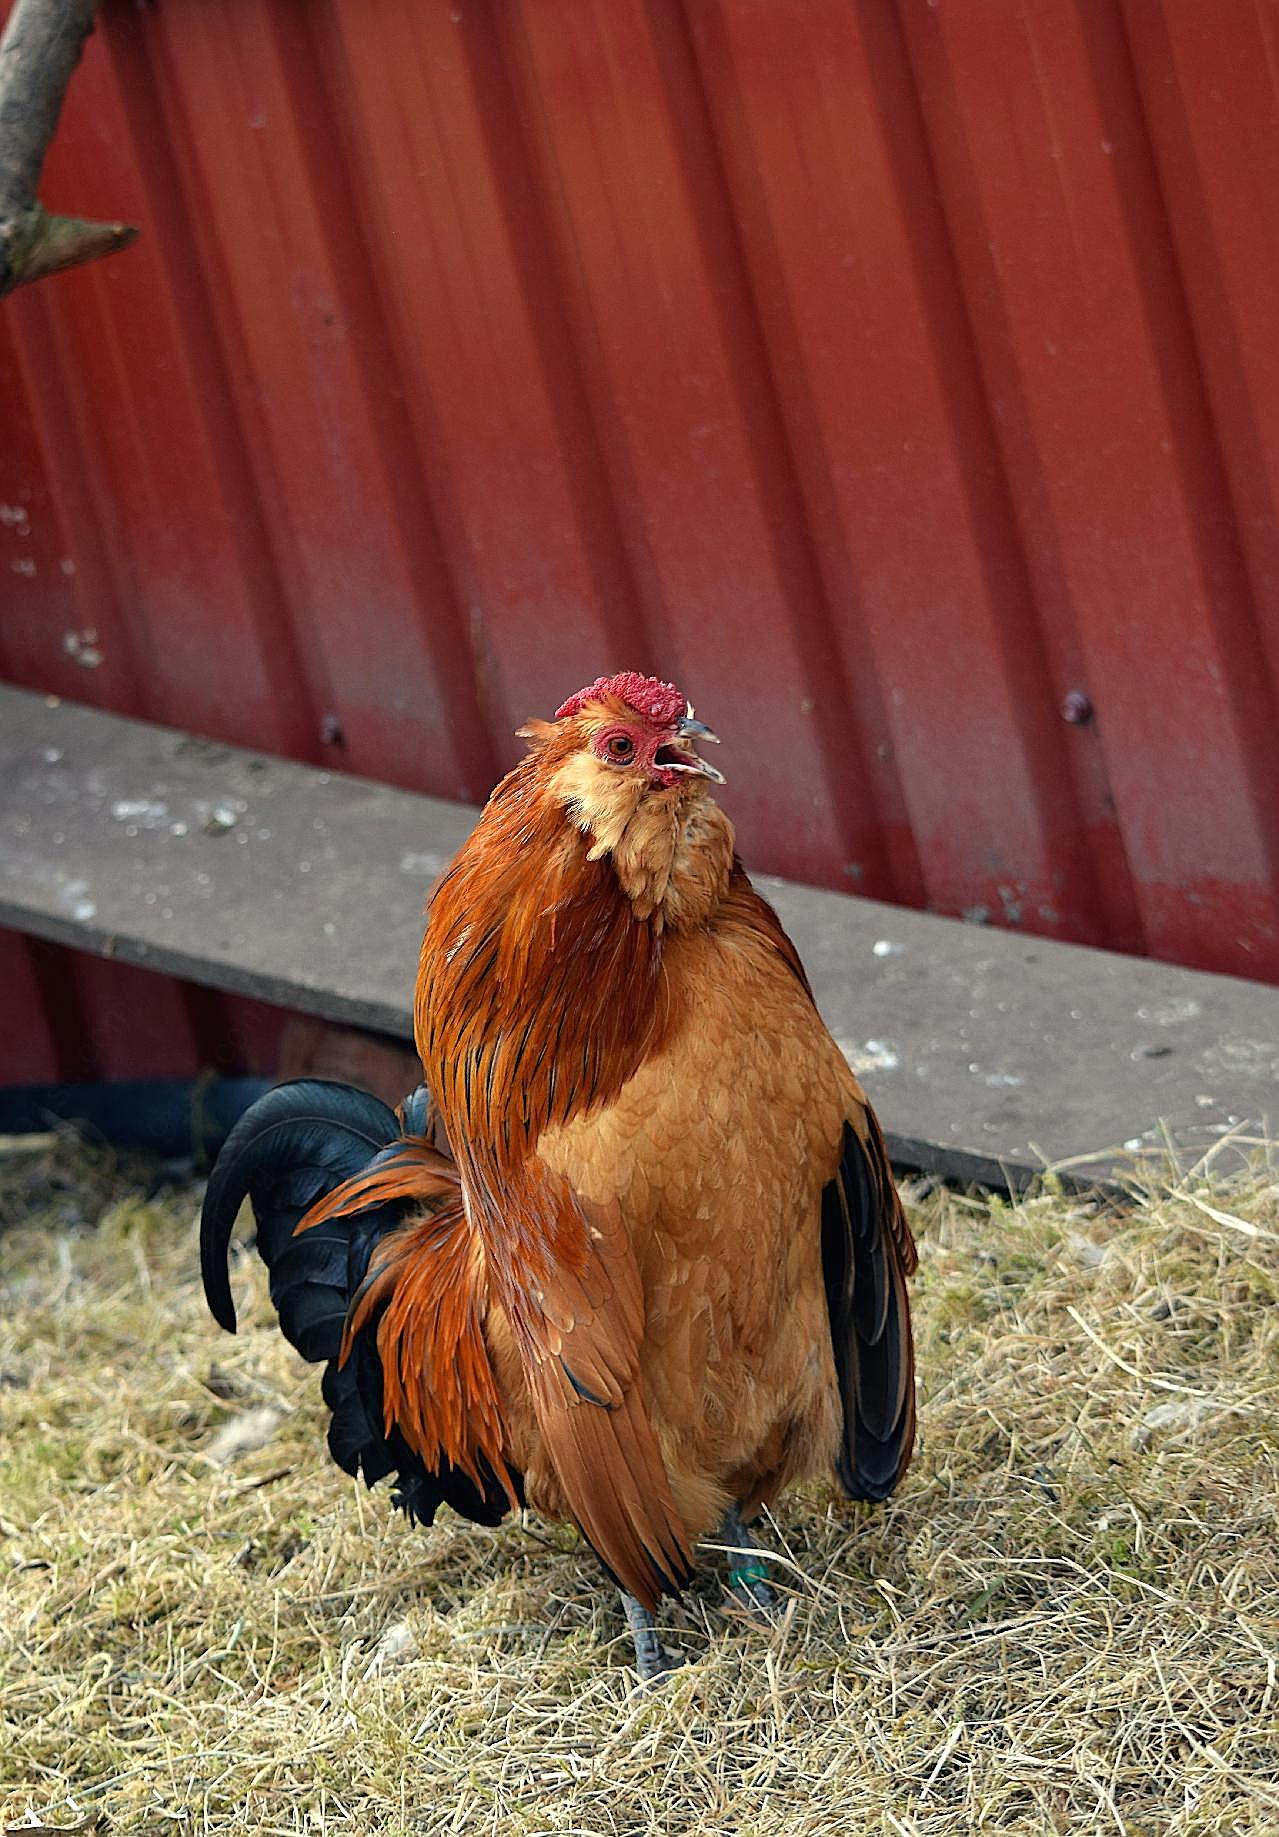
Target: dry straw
pixel 1067 1621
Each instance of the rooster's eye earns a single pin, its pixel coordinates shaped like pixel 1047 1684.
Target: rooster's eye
pixel 619 748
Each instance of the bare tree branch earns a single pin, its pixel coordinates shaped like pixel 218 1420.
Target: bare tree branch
pixel 40 49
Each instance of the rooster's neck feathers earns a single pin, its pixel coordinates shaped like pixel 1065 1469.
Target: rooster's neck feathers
pixel 670 850
pixel 681 871
pixel 539 990
pixel 541 987
pixel 541 993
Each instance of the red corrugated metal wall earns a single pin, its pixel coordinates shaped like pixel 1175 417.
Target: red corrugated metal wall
pixel 887 372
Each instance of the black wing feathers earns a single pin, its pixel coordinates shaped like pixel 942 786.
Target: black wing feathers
pixel 291 1149
pixel 866 1255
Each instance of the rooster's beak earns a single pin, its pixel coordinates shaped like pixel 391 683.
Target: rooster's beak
pixel 689 730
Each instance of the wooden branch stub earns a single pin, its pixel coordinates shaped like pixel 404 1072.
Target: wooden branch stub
pixel 35 243
pixel 39 49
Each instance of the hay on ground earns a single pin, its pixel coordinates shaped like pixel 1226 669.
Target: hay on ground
pixel 1068 1619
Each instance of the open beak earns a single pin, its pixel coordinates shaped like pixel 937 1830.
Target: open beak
pixel 679 753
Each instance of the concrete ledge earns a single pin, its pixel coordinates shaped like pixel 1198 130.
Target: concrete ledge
pixel 988 1055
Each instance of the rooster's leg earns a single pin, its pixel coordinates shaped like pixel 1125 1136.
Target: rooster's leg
pixel 747 1571
pixel 652 1660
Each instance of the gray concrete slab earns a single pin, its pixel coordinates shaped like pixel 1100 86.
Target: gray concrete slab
pixel 987 1054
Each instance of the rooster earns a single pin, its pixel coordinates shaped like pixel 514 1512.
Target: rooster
pixel 637 1261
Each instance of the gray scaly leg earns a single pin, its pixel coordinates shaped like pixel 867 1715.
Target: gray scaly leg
pixel 747 1570
pixel 652 1660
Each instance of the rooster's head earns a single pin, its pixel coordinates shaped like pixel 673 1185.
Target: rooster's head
pixel 642 727
pixel 623 743
pixel 619 762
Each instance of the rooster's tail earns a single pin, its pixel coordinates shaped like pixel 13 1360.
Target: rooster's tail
pixel 343 1162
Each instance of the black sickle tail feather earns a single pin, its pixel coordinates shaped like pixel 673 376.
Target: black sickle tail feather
pixel 287 1152
pixel 867 1254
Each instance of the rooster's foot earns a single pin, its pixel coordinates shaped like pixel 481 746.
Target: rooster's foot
pixel 747 1570
pixel 652 1660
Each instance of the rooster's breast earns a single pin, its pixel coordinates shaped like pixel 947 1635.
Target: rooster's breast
pixel 713 1158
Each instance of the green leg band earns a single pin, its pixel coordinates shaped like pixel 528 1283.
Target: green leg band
pixel 754 1571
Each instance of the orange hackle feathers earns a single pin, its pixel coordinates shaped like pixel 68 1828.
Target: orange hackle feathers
pixel 424 1291
pixel 438 1383
pixel 539 995
pixel 538 992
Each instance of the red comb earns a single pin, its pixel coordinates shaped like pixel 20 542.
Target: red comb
pixel 658 701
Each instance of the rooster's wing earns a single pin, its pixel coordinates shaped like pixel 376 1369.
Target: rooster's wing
pixel 867 1253
pixel 578 1318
